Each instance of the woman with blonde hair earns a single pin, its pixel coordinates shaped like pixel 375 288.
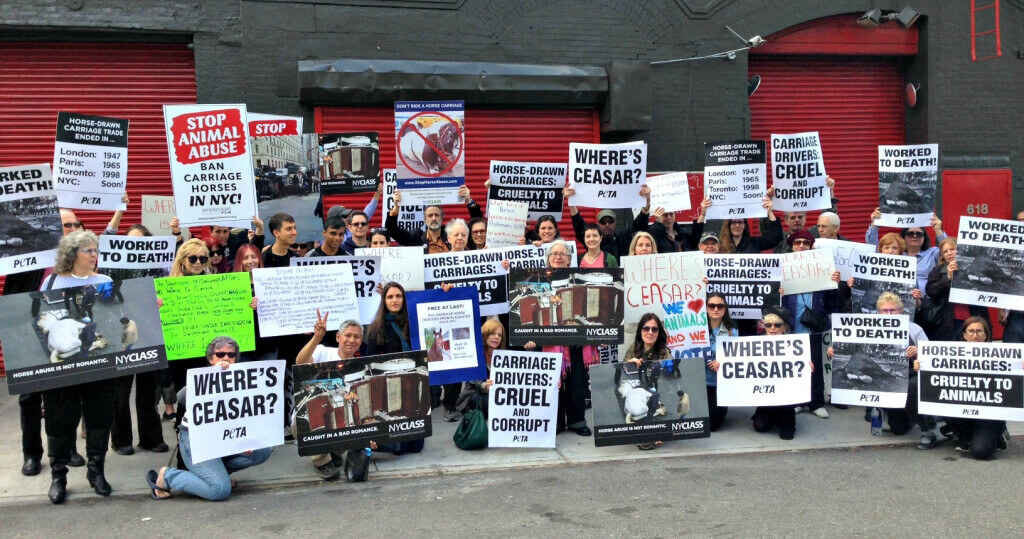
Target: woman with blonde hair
pixel 193 258
pixel 643 244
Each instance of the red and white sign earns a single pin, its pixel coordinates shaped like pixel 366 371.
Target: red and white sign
pixel 271 125
pixel 211 165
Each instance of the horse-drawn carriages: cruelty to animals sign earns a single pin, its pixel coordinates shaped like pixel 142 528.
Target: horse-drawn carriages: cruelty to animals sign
pixel 430 151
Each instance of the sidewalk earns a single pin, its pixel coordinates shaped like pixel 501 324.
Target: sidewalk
pixel 845 429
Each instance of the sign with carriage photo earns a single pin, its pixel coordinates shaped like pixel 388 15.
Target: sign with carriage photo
pixel 351 163
pixel 286 165
pixel 570 306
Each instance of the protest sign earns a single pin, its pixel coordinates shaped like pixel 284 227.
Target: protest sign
pixel 769 370
pixel 136 252
pixel 976 380
pixel 81 337
pixel 506 221
pixel 644 404
pixel 233 410
pixel 522 409
pixel 671 286
pixel 869 363
pixel 90 161
pixel 735 179
pixel 351 163
pixel 346 404
pixel 282 311
pixel 447 326
pixel 670 191
pixel 157 214
pixel 844 253
pixel 907 176
pixel 285 162
pixel 531 256
pixel 990 262
pixel 608 175
pixel 366 273
pixel 402 265
pixel 807 271
pixel 798 173
pixel 409 217
pixel 30 225
pixel 481 270
pixel 430 146
pixel 211 164
pixel 565 306
pixel 875 273
pixel 749 282
pixel 695 186
pixel 538 184
pixel 198 308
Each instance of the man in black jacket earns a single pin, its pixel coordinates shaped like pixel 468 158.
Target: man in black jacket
pixel 433 239
pixel 616 244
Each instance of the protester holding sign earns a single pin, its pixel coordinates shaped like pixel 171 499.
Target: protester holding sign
pixel 673 237
pixel 477 233
pixel 209 479
pixel 334 234
pixel 193 258
pixel 545 230
pixel 218 260
pixel 719 324
pixel 616 243
pixel 358 230
pixel 475 393
pixel 940 279
pixel 649 349
pixel 811 311
pixel 736 239
pixel 766 418
pixel 379 238
pixel 916 245
pixel 642 244
pixel 433 238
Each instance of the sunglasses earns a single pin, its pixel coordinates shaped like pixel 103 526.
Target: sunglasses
pixel 801 242
pixel 715 306
pixel 222 355
pixel 192 259
pixel 218 252
pixel 774 324
pixel 650 329
pixel 294 246
pixel 353 223
pixel 76 224
pixel 914 234
pixel 607 221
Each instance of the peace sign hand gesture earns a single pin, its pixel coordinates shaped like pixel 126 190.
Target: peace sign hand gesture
pixel 320 327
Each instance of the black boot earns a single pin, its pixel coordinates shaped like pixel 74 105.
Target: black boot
pixel 59 485
pixel 94 473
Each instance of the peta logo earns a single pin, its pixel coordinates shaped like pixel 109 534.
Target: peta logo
pixel 602 332
pixel 407 425
pixel 135 357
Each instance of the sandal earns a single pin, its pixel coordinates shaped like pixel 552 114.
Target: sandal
pixel 152 477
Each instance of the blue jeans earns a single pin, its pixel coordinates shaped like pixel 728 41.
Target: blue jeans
pixel 209 479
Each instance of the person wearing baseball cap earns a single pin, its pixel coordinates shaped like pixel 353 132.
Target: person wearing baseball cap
pixel 709 243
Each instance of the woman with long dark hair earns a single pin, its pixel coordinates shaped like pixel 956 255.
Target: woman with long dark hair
pixel 649 349
pixel 735 235
pixel 720 324
pixel 218 255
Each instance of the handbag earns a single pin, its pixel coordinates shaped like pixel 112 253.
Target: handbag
pixel 472 431
pixel 814 321
pixel 931 313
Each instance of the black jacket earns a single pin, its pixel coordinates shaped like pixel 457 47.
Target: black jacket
pixel 392 342
pixel 771 234
pixel 617 244
pixel 418 237
pixel 938 291
pixel 687 237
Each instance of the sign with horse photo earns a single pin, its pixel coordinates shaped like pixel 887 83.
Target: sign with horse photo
pixel 430 151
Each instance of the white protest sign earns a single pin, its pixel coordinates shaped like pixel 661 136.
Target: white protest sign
pixel 538 184
pixel 976 380
pixel 136 252
pixel 907 177
pixel 798 173
pixel 403 265
pixel 808 271
pixel 480 269
pixel 748 282
pixel 670 285
pixel 90 161
pixel 409 217
pixel 523 402
pixel 211 164
pixel 608 175
pixel 875 273
pixel 990 264
pixel 843 253
pixel 284 310
pixel 735 179
pixel 31 219
pixel 506 222
pixel 769 370
pixel 234 410
pixel 157 214
pixel 366 271
pixel 869 364
pixel 670 191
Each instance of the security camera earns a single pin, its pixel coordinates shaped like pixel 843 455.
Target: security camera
pixel 756 41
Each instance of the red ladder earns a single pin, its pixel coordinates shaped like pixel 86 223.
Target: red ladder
pixel 975 33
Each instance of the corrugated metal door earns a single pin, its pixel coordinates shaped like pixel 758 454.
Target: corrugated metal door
pixel 855 103
pixel 504 135
pixel 123 80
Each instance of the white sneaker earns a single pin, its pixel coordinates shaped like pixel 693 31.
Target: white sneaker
pixel 800 409
pixel 820 412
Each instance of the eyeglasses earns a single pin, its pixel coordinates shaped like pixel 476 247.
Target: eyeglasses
pixel 292 246
pixel 974 331
pixel 192 259
pixel 90 251
pixel 649 329
pixel 774 324
pixel 222 355
pixel 914 234
pixel 801 242
pixel 560 255
pixel 218 252
pixel 362 224
pixel 76 224
pixel 715 306
pixel 475 232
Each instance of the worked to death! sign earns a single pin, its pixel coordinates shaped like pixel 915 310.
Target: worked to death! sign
pixel 30 225
pixel 990 258
pixel 971 379
pixel 907 176
pixel 523 401
pixel 538 184
pixel 735 179
pixel 870 365
pixel 90 161
pixel 136 252
pixel 770 370
pixel 798 173
pixel 608 175
pixel 875 273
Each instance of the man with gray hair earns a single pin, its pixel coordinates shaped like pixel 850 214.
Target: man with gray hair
pixel 828 226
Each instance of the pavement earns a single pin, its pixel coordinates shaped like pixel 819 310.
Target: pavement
pixel 844 429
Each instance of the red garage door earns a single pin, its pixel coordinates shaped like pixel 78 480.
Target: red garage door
pixel 504 135
pixel 123 80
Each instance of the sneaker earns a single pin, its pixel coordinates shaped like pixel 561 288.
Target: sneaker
pixel 961 445
pixel 328 472
pixel 451 416
pixel 1004 441
pixel 167 417
pixel 928 441
pixel 820 412
pixel 800 409
pixel 289 438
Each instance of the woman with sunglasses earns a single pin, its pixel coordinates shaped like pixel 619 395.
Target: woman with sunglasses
pixel 776 321
pixel 916 245
pixel 649 349
pixel 77 254
pixel 193 258
pixel 218 260
pixel 209 479
pixel 720 324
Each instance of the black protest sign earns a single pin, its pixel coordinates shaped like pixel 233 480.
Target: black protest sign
pixel 539 184
pixel 88 333
pixel 748 282
pixel 346 404
pixel 876 273
pixel 351 163
pixel 90 161
pixel 565 306
pixel 975 380
pixel 735 179
pixel 480 269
